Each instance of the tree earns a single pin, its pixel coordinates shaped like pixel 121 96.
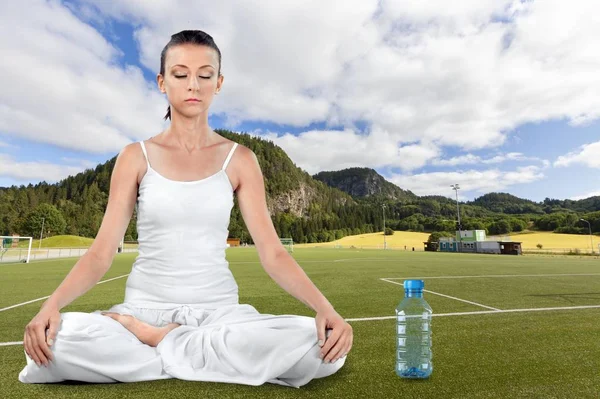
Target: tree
pixel 435 236
pixel 53 220
pixel 501 226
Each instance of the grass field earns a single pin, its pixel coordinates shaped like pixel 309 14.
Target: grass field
pixel 542 342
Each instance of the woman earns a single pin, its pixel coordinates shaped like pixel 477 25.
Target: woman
pixel 181 317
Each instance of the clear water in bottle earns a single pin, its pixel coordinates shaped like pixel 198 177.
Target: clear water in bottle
pixel 413 333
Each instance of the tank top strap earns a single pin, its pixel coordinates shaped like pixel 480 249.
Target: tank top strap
pixel 144 151
pixel 229 156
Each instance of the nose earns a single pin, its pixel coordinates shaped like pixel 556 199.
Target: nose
pixel 193 84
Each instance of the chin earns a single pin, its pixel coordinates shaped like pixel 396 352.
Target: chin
pixel 196 112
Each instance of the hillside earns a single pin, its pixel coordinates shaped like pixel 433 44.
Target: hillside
pixel 323 208
pixel 364 182
pixel 300 206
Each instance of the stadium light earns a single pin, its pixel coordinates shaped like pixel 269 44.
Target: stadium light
pixel 41 233
pixel 456 187
pixel 590 228
pixel 383 208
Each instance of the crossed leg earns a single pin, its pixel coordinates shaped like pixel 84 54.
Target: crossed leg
pixel 146 333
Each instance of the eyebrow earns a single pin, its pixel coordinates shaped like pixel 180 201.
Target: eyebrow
pixel 185 66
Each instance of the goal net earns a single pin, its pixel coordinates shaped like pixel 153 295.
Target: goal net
pixel 15 249
pixel 288 243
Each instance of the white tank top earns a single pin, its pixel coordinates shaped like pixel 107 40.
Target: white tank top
pixel 182 233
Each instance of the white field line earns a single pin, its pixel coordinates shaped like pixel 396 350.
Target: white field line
pixel 493 276
pixel 486 312
pixel 360 259
pixel 45 297
pixel 448 296
pixel 434 315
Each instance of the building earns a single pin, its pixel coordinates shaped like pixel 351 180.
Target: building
pixel 475 241
pixel 448 244
pixel 233 242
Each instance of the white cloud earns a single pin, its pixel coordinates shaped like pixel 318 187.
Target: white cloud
pixel 422 76
pixel 316 151
pixel 588 195
pixel 83 162
pixel 7 145
pixel 449 75
pixel 470 159
pixel 61 85
pixel 588 155
pixel 32 171
pixel 438 183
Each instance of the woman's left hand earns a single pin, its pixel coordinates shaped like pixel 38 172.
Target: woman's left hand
pixel 339 342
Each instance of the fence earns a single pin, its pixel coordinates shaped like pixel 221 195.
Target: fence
pixel 15 255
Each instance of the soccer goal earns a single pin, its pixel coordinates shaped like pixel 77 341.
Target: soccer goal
pixel 288 243
pixel 15 249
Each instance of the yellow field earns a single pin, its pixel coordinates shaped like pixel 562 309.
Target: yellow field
pixel 550 241
pixel 556 241
pixel 375 240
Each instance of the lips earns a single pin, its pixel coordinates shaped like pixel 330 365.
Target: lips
pixel 192 100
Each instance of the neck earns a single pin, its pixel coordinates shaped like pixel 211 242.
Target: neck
pixel 189 133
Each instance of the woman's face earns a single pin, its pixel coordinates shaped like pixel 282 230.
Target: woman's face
pixel 191 78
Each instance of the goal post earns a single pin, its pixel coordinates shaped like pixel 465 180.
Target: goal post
pixel 12 251
pixel 288 243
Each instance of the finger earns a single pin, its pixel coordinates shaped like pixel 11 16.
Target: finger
pixel 346 350
pixel 336 351
pixel 347 338
pixel 32 351
pixel 45 348
pixel 38 339
pixel 52 331
pixel 350 345
pixel 320 330
pixel 26 345
pixel 331 341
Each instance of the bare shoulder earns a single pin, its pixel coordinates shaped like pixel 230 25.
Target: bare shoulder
pixel 242 166
pixel 131 157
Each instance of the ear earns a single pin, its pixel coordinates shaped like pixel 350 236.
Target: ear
pixel 220 82
pixel 160 80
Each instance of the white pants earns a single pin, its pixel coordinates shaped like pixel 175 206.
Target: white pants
pixel 234 344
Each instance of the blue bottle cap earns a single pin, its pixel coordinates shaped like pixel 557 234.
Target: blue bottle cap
pixel 414 285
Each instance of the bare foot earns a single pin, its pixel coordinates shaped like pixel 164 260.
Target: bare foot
pixel 146 333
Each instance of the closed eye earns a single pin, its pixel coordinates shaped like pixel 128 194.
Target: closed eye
pixel 185 76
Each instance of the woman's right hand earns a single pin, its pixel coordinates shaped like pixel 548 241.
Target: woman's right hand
pixel 36 342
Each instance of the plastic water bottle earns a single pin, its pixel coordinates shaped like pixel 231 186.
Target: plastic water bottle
pixel 413 327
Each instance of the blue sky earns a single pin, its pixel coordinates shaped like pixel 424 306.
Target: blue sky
pixel 444 102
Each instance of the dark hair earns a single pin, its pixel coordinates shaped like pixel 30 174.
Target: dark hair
pixel 187 37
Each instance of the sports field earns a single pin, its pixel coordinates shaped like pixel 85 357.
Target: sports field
pixel 503 326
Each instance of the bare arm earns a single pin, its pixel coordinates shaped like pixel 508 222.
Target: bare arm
pixel 281 266
pixel 90 268
pixel 276 261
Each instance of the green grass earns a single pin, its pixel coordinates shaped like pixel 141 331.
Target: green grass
pixel 62 241
pixel 542 354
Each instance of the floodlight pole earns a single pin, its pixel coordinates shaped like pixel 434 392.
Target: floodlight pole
pixel 41 233
pixel 590 228
pixel 456 187
pixel 383 209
